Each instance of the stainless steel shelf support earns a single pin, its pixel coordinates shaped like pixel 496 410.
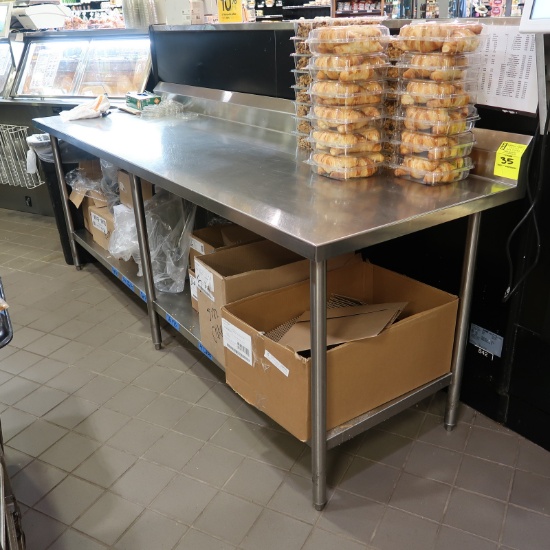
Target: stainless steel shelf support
pixel 65 200
pixel 141 227
pixel 461 333
pixel 318 300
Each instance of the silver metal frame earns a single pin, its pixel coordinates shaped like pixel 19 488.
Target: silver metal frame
pixel 287 188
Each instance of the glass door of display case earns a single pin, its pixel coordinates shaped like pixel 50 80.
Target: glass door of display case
pixel 6 67
pixel 67 67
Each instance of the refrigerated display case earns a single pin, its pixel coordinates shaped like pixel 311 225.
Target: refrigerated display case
pixel 82 64
pixel 7 68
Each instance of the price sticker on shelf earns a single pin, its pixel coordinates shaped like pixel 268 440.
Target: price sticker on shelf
pixel 230 11
pixel 508 159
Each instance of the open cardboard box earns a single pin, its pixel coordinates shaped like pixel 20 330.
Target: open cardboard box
pixel 362 374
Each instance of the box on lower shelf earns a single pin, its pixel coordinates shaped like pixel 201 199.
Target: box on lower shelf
pixel 362 374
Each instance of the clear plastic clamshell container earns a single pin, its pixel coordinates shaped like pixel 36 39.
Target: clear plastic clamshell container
pixel 430 172
pixel 434 147
pixel 346 119
pixel 449 37
pixel 366 140
pixel 303 126
pixel 301 60
pixel 303 27
pixel 437 94
pixel 303 77
pixel 439 67
pixel 354 39
pixel 346 167
pixel 300 45
pixel 349 68
pixel 302 109
pixel 302 94
pixel 334 92
pixel 436 121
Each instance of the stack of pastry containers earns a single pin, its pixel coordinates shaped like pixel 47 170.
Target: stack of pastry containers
pixel 348 68
pixel 435 115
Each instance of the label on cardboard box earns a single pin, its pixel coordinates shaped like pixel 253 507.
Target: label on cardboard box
pixel 205 280
pixel 193 286
pixel 237 341
pixel 197 245
pixel 274 361
pixel 99 223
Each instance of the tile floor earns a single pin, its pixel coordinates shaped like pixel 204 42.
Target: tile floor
pixel 111 444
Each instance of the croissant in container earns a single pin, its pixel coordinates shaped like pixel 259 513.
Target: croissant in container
pixel 437 147
pixel 344 120
pixel 439 121
pixel 431 172
pixel 349 68
pixel 448 38
pixel 326 92
pixel 356 39
pixel 347 167
pixel 435 94
pixel 366 141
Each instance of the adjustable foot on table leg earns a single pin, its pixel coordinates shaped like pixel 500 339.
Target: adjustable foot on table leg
pixel 320 507
pixel 158 346
pixel 449 427
pixel 79 268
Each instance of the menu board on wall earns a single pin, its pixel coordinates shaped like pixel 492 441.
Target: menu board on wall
pixel 508 77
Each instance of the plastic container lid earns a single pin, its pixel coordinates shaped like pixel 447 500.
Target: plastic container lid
pixel 434 147
pixel 349 68
pixel 436 121
pixel 354 39
pixel 302 94
pixel 346 119
pixel 431 172
pixel 303 125
pixel 438 36
pixel 346 167
pixel 302 77
pixel 331 92
pixel 301 60
pixel 300 45
pixel 366 140
pixel 301 109
pixel 437 94
pixel 439 67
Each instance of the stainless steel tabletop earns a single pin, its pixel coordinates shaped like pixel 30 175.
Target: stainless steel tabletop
pixel 238 172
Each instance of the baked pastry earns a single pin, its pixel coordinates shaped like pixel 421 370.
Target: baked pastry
pixel 438 121
pixel 355 39
pixel 433 94
pixel 447 38
pixel 366 141
pixel 436 147
pixel 350 68
pixel 327 92
pixel 438 67
pixel 345 167
pixel 344 120
pixel 431 171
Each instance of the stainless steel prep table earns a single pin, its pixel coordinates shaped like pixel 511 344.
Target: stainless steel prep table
pixel 248 174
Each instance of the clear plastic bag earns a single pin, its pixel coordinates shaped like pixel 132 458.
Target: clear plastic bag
pixel 104 189
pixel 170 222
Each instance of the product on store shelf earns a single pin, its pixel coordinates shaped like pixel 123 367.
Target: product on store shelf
pixel 436 95
pixel 432 172
pixel 369 140
pixel 355 39
pixel 435 147
pixel 345 119
pixel 349 68
pixel 325 92
pixel 346 167
pixel 439 67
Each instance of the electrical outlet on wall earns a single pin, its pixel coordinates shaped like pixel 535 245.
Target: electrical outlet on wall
pixel 28 201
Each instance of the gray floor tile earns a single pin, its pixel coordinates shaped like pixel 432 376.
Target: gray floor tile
pixel 164 410
pixel 533 458
pixel 69 499
pixel 531 491
pixel 385 447
pixel 276 448
pixel 15 389
pixel 42 400
pixel 184 498
pixel 126 369
pixel 102 424
pixel 173 450
pixel 338 462
pixel 72 540
pixel 196 540
pixel 220 398
pixel 123 342
pixel 273 531
pixel 484 477
pixel 20 361
pixel 46 345
pixel 189 388
pixel 72 329
pixel 213 465
pixel 433 462
pixel 204 368
pixel 491 445
pixel 439 402
pixel 108 518
pixel 157 378
pixel 420 496
pixel 99 360
pixel 143 482
pixel 36 438
pixel 406 424
pixel 15 460
pixel 136 437
pixel 35 481
pixel 44 370
pixel 40 530
pixel 399 530
pixel 351 516
pixel 432 431
pixel 152 530
pixel 71 380
pixel 255 481
pixel 72 352
pixel 71 412
pixel 181 359
pixel 475 513
pixel 324 540
pixel 14 421
pixel 525 530
pixel 22 338
pixel 200 423
pixel 105 466
pixel 100 389
pixel 70 451
pixel 228 517
pixel 131 400
pixel 454 539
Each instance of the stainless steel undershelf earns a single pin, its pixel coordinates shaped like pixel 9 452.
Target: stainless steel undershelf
pixel 237 171
pixel 174 308
pixel 358 425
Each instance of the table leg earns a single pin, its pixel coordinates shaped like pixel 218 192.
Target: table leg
pixel 461 333
pixel 318 300
pixel 141 227
pixel 65 200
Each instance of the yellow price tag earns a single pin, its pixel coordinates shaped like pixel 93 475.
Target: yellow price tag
pixel 230 11
pixel 508 159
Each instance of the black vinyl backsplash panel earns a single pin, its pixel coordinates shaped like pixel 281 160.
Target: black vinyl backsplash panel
pixel 249 61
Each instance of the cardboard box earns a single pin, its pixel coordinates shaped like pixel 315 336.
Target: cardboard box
pixel 99 221
pixel 92 168
pixel 138 100
pixel 209 239
pixel 229 275
pixel 361 375
pixel 194 290
pixel 126 191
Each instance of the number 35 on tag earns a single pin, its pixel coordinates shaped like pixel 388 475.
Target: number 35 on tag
pixel 508 159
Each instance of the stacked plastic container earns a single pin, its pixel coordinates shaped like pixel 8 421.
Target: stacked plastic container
pixel 438 83
pixel 302 74
pixel 348 68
